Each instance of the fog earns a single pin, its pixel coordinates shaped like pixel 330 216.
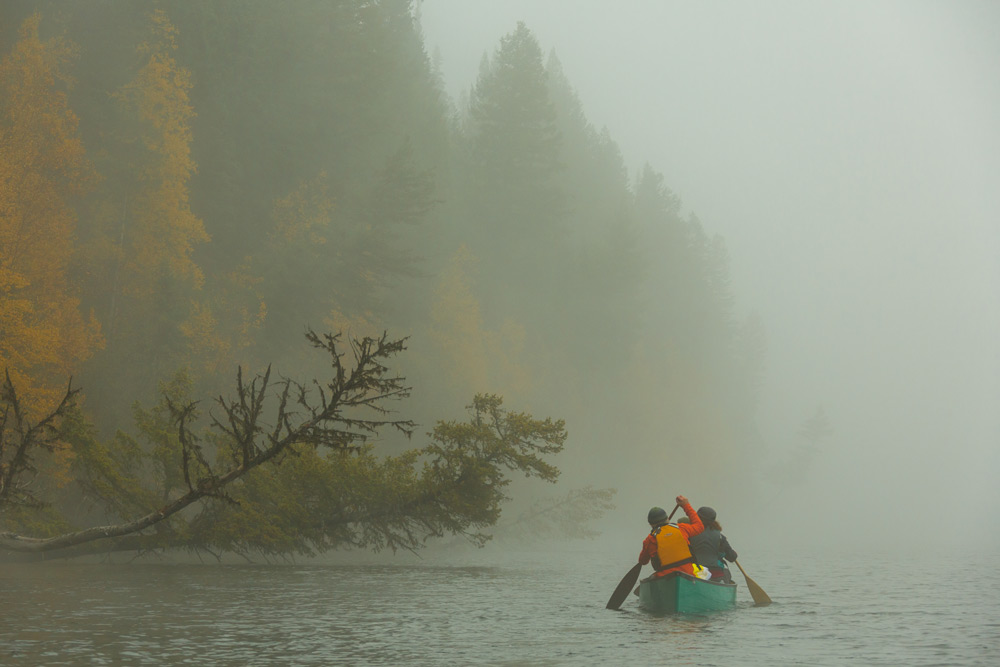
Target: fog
pixel 849 154
pixel 816 179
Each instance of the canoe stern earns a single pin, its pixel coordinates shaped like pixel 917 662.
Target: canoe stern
pixel 684 593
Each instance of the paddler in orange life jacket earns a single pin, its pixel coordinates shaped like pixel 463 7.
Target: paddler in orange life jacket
pixel 666 546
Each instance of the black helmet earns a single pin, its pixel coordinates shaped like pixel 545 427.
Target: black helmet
pixel 657 516
pixel 707 513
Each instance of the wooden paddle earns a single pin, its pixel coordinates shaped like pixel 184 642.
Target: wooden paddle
pixel 628 581
pixel 760 598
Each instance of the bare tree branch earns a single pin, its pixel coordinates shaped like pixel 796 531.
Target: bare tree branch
pixel 326 424
pixel 19 439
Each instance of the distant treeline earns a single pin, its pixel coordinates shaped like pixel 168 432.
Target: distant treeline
pixel 189 185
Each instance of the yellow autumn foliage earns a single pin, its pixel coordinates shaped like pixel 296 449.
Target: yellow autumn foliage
pixel 162 229
pixel 43 166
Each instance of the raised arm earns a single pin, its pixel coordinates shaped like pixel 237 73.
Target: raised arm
pixel 695 525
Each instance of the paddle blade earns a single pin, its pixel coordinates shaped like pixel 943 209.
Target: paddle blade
pixel 624 587
pixel 760 598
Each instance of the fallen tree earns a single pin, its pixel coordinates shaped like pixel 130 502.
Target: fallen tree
pixel 282 468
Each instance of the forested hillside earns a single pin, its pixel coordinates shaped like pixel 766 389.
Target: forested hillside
pixel 187 188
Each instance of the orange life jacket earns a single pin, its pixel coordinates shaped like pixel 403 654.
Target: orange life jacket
pixel 671 548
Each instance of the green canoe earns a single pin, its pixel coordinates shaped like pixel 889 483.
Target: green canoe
pixel 682 592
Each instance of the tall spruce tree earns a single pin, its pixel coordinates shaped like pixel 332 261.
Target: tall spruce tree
pixel 518 209
pixel 600 275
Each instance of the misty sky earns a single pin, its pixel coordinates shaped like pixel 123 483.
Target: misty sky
pixel 849 153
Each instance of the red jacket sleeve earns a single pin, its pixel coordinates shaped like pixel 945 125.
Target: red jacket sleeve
pixel 693 528
pixel 648 549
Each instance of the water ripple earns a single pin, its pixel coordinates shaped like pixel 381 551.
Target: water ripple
pixel 521 613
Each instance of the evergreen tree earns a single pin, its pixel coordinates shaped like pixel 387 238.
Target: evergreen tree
pixel 600 276
pixel 518 209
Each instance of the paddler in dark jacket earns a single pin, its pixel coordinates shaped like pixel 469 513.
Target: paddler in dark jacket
pixel 710 546
pixel 666 546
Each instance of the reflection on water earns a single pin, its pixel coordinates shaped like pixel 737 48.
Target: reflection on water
pixel 536 611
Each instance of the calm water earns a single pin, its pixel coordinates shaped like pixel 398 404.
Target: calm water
pixel 530 609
